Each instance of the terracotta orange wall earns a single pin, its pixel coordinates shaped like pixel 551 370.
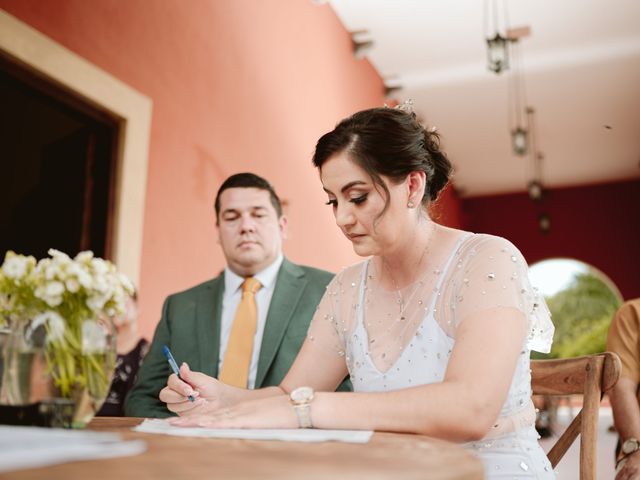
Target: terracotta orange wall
pixel 236 85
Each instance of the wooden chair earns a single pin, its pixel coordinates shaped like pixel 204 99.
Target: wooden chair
pixel 590 376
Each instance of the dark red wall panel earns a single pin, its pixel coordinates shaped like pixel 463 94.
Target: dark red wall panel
pixel 598 224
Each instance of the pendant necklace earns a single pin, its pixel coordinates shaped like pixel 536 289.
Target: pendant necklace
pixel 399 298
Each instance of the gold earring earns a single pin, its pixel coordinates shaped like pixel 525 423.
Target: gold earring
pixel 410 204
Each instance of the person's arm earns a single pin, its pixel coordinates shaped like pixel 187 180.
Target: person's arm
pixel 462 407
pixel 323 370
pixel 626 417
pixel 623 340
pixel 214 395
pixel 626 410
pixel 489 323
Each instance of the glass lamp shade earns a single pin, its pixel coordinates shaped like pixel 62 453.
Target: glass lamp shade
pixel 520 141
pixel 544 223
pixel 497 54
pixel 535 190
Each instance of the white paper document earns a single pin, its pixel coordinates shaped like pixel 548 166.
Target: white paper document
pixel 33 447
pixel 287 435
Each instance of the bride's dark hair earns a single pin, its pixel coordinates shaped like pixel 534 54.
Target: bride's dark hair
pixel 388 142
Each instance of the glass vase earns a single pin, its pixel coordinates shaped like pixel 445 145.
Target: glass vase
pixel 67 374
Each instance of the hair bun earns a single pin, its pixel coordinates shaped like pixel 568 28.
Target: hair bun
pixel 442 167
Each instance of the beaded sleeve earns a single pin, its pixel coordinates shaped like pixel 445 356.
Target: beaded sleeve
pixel 490 272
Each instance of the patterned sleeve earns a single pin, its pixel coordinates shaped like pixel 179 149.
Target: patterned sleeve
pixel 333 319
pixel 624 339
pixel 490 272
pixel 323 329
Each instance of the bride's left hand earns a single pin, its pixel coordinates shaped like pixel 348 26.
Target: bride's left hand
pixel 272 412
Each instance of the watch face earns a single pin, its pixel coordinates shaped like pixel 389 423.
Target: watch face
pixel 302 394
pixel 630 445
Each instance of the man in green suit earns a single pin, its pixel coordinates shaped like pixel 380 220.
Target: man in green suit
pixel 196 324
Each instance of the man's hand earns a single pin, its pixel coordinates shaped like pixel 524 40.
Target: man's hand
pixel 631 468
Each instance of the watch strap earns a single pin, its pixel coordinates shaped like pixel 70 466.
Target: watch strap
pixel 303 412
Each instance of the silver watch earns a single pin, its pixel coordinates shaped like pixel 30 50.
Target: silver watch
pixel 630 445
pixel 301 399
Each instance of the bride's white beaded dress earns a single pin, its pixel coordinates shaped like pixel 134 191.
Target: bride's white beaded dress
pixel 404 338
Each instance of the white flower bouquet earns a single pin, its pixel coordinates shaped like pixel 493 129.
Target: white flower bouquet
pixel 68 301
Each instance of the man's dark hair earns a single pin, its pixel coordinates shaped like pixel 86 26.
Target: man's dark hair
pixel 248 180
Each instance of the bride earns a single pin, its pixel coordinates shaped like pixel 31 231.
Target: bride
pixel 434 328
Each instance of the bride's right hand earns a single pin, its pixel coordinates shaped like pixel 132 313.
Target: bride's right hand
pixel 207 391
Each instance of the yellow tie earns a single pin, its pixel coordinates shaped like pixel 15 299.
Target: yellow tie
pixel 237 358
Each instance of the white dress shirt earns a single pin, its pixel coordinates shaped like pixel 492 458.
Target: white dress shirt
pixel 231 299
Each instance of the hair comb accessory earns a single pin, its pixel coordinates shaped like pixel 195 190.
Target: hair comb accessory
pixel 406 106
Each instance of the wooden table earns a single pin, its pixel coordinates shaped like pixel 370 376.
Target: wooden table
pixel 386 456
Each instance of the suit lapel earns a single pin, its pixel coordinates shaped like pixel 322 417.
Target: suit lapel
pixel 208 318
pixel 290 284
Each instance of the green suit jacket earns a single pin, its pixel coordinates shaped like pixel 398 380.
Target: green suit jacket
pixel 190 327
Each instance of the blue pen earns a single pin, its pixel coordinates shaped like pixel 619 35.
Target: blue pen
pixel 174 366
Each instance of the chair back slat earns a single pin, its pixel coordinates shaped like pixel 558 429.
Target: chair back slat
pixel 591 376
pixel 591 410
pixel 565 376
pixel 566 439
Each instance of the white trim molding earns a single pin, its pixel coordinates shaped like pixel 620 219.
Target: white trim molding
pixel 49 59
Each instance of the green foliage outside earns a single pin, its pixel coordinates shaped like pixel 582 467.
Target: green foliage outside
pixel 581 314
